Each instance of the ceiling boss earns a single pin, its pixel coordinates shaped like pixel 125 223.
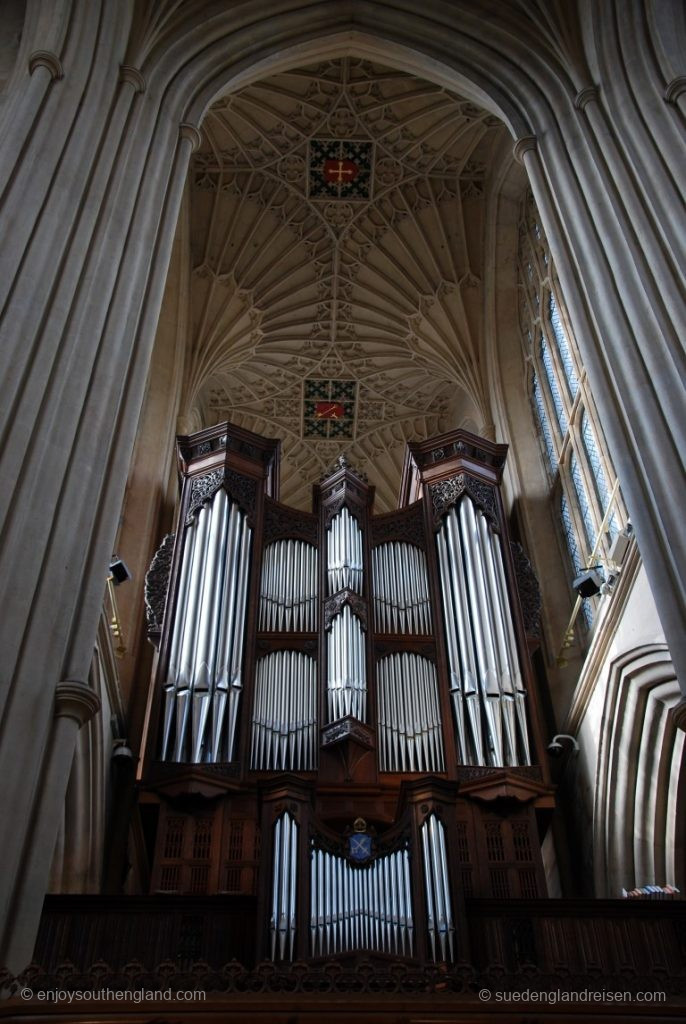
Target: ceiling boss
pixel 340 169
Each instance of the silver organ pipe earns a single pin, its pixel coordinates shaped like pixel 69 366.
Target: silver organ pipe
pixel 284 720
pixel 485 677
pixel 401 589
pixel 288 587
pixel 344 553
pixel 203 684
pixel 346 669
pixel 439 911
pixel 511 644
pixel 360 907
pixel 409 717
pixel 462 682
pixel 482 626
pixel 282 923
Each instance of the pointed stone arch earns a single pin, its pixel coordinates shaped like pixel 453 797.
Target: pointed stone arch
pixel 640 797
pixel 97 135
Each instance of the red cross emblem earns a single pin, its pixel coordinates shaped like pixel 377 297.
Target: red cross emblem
pixel 329 410
pixel 340 172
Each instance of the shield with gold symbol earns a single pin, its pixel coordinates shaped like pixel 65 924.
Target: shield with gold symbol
pixel 360 843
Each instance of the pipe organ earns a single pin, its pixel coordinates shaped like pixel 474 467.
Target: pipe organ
pixel 353 909
pixel 439 912
pixel 204 678
pixel 284 881
pixel 401 589
pixel 319 669
pixel 288 591
pixel 347 674
pixel 284 719
pixel 486 686
pixel 409 716
pixel 344 554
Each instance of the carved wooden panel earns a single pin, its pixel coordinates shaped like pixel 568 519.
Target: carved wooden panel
pixel 406 525
pixel 280 521
pixel 447 493
pixel 157 582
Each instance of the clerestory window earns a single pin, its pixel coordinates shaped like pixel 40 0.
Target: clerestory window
pixel 583 488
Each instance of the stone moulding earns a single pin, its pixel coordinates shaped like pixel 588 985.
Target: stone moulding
pixel 524 145
pixel 191 133
pixel 131 75
pixel 585 96
pixel 45 59
pixel 76 700
pixel 675 89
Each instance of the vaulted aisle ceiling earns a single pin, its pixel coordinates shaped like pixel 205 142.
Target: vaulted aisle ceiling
pixel 337 222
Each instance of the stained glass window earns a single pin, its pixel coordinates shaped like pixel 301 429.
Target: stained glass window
pixel 598 473
pixel 563 348
pixel 570 534
pixel 553 386
pixel 543 423
pixel 584 505
pixel 582 482
pixel 575 558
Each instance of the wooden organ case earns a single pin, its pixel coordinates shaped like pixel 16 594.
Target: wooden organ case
pixel 343 732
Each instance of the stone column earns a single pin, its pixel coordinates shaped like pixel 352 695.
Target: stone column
pixel 628 338
pixel 75 704
pixel 87 218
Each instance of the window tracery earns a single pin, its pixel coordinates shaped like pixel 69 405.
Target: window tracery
pixel 583 490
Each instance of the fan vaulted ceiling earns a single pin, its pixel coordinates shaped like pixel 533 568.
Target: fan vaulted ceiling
pixel 337 235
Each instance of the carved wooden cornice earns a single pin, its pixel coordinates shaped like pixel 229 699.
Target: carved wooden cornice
pixel 226 437
pixel 241 489
pixel 446 493
pixel 523 784
pixel 425 649
pixel 282 522
pixel 405 526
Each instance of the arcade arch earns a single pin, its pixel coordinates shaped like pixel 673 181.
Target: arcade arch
pixel 101 117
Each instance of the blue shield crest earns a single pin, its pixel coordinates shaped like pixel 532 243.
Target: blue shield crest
pixel 360 847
